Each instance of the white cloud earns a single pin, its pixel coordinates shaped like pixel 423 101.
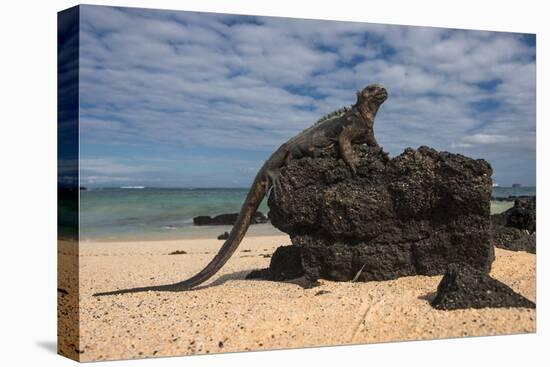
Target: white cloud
pixel 210 80
pixel 109 166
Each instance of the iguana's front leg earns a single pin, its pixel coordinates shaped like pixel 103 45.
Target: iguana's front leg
pixel 279 159
pixel 273 183
pixel 370 139
pixel 346 150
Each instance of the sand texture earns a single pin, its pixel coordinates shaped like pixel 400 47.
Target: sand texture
pixel 230 314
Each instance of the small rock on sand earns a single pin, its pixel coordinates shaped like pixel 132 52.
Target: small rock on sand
pixel 464 287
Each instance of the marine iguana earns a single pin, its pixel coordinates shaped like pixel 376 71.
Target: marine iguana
pixel 342 127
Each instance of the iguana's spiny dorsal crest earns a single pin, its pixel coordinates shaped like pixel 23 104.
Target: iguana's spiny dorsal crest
pixel 343 127
pixel 334 114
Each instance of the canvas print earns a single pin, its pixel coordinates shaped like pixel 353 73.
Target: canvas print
pixel 241 183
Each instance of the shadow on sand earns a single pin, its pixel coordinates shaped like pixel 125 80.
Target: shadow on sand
pixel 238 275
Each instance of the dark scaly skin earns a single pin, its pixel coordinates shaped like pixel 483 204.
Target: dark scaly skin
pixel 354 126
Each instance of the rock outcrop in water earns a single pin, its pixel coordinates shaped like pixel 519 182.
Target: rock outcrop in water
pixel 410 215
pixel 226 219
pixel 465 287
pixel 515 228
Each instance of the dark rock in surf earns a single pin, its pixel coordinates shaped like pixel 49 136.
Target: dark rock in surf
pixel 412 214
pixel 463 287
pixel 226 219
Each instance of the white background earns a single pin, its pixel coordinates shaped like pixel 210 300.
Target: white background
pixel 28 181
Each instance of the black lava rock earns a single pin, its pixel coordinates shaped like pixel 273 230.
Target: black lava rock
pixel 514 229
pixel 259 274
pixel 226 219
pixel 463 286
pixel 412 214
pixel 178 252
pixel 286 263
pixel 523 215
pixel 514 239
pixel 223 236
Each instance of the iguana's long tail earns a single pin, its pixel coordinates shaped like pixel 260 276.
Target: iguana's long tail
pixel 251 204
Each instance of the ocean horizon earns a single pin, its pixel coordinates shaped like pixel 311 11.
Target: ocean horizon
pixel 134 213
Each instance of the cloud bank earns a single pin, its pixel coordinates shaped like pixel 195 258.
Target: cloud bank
pixel 192 99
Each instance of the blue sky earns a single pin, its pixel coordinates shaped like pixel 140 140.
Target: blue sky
pixel 182 99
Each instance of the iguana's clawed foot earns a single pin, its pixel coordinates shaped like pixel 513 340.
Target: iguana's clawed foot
pixel 352 164
pixel 353 168
pixel 273 178
pixel 351 161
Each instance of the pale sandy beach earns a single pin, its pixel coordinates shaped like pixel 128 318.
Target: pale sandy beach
pixel 230 314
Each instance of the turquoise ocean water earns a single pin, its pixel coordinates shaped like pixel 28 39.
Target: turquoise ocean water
pixel 114 214
pixel 158 213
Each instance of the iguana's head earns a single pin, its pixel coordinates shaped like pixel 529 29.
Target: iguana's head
pixel 370 99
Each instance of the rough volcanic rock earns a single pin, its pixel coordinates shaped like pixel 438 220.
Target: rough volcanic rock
pixel 286 263
pixel 514 239
pixel 514 229
pixel 463 286
pixel 226 219
pixel 412 214
pixel 259 274
pixel 523 215
pixel 223 236
pixel 498 220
